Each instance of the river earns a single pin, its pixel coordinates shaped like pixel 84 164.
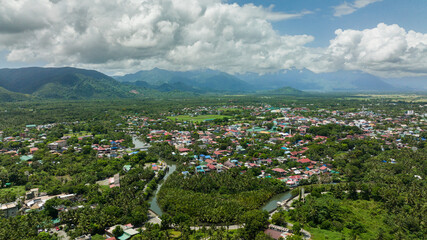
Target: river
pixel 154 206
pixel 272 203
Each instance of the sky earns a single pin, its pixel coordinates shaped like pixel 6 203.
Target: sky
pixel 386 38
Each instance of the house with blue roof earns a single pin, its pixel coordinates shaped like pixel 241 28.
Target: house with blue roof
pixel 200 169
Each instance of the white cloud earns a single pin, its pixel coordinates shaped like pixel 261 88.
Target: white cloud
pixel 130 35
pixel 140 34
pixel 386 51
pixel 348 8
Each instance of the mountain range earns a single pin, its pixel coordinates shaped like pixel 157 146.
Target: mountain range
pixel 193 81
pixel 343 81
pixel 74 83
pixel 305 80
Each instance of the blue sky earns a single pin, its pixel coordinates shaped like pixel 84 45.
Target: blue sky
pixel 386 38
pixel 322 23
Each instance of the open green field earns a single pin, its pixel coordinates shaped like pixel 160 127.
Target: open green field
pixel 322 234
pixel 199 118
pixel 362 212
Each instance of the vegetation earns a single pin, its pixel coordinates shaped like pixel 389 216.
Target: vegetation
pixel 390 195
pixel 284 91
pixel 334 130
pixel 379 190
pixel 216 197
pixel 65 83
pixel 10 194
pixel 199 118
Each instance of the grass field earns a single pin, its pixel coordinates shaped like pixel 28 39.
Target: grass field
pixel 365 212
pixel 321 234
pixel 199 118
pixel 174 233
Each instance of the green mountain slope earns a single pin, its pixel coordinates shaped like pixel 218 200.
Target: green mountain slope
pixel 64 83
pixel 284 91
pixel 8 96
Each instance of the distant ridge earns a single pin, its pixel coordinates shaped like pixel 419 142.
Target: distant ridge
pixel 322 82
pixel 194 81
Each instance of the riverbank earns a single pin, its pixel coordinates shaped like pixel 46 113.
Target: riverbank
pixel 154 205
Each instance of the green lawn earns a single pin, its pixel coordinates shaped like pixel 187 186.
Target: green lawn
pixel 199 118
pixel 174 233
pixel 98 237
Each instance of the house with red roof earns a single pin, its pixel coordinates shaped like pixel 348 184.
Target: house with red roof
pixel 251 165
pixel 183 150
pixel 32 150
pixel 279 170
pixel 305 160
pixel 294 153
pixel 323 169
pixel 211 166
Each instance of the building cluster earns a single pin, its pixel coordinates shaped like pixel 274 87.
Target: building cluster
pixel 271 142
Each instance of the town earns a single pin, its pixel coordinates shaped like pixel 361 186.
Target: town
pixel 295 146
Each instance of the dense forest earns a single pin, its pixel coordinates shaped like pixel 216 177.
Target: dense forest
pixel 391 195
pixel 216 197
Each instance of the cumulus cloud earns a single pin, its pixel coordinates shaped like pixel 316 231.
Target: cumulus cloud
pixel 348 8
pixel 140 34
pixel 386 51
pixel 13 21
pixel 129 35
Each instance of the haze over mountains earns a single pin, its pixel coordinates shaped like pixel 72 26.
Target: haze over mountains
pixel 196 81
pixel 299 79
pixel 74 83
